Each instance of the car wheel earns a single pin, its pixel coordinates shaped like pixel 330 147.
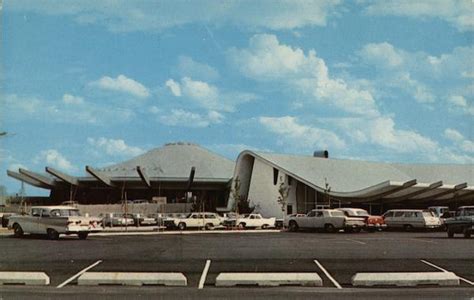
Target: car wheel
pixel 242 225
pixel 329 228
pixel 53 234
pixel 408 227
pixel 356 229
pixel 467 233
pixel 265 226
pixel 17 230
pixel 83 235
pixel 209 226
pixel 450 233
pixel 293 226
pixel 182 226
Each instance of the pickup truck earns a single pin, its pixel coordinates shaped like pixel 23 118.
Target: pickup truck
pixel 462 222
pixel 254 221
pixel 331 220
pixel 53 221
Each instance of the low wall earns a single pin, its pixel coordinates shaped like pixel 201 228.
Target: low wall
pixel 142 208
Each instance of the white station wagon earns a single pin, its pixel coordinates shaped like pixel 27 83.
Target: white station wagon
pixel 409 219
pixel 207 220
pixel 53 221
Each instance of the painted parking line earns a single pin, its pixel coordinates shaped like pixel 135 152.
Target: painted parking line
pixel 356 241
pixel 423 241
pixel 327 274
pixel 79 274
pixel 204 274
pixel 444 270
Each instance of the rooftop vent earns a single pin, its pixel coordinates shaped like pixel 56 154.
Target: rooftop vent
pixel 322 154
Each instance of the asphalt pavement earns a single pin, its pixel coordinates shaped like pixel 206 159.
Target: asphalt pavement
pixel 334 257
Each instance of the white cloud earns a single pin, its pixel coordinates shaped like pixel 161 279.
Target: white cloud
pixel 52 157
pixel 393 64
pixel 459 13
pixel 122 84
pixel 154 110
pixel 381 131
pixel 127 16
pixel 453 135
pixel 382 54
pixel 183 118
pixel 174 87
pixel 208 96
pixel 459 140
pixel 205 94
pixel 303 136
pixel 267 60
pixel 458 101
pixel 116 147
pixel 22 108
pixel 70 99
pixel 187 67
pixel 460 104
pixel 419 91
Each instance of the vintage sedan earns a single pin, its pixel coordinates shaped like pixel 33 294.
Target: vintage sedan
pixel 372 223
pixel 205 220
pixel 331 220
pixel 53 221
pixel 117 219
pixel 255 221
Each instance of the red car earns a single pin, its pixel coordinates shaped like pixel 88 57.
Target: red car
pixel 372 223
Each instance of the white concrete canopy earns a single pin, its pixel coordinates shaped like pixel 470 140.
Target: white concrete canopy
pixel 27 179
pixel 99 176
pixel 38 177
pixel 62 176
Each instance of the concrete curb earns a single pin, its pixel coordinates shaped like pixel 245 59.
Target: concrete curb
pixel 268 279
pixel 26 278
pixel 132 278
pixel 406 279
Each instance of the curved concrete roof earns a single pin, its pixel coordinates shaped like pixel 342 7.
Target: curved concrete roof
pixel 175 161
pixel 356 178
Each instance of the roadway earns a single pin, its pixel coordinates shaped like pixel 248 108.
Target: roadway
pixel 335 257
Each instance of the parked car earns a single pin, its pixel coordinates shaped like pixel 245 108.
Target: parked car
pixel 442 212
pixel 70 203
pixel 140 201
pixel 168 219
pixel 117 219
pixel 255 221
pixel 142 220
pixel 4 218
pixel 462 222
pixel 372 223
pixel 194 220
pixel 287 219
pixel 330 220
pixel 53 221
pixel 230 219
pixel 409 219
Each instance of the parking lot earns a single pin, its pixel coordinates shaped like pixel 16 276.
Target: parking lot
pixel 336 258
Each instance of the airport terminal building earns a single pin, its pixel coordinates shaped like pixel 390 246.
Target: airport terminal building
pixel 188 173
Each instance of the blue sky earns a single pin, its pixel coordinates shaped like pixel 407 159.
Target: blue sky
pixel 98 82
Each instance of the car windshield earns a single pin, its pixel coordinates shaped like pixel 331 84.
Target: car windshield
pixel 362 213
pixel 65 213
